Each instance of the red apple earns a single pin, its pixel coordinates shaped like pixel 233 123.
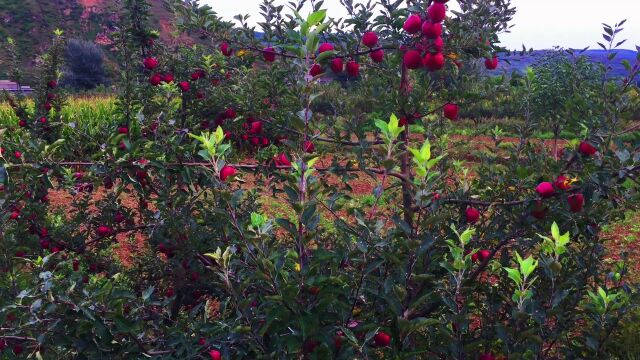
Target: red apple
pixel 370 39
pixel 487 356
pixel 316 70
pixel 377 56
pixel 412 59
pixel 269 54
pixel 492 63
pixel 438 44
pixel 308 146
pixel 539 211
pixel 431 30
pixel 168 78
pixel 413 24
pixel 184 86
pixel 155 79
pixel 337 65
pixel 226 172
pixel 282 160
pixel 545 190
pixel 451 111
pixel 255 127
pixel 325 47
pixel 382 339
pixel 586 149
pixel 472 215
pixel 353 68
pixel 230 113
pixel 437 12
pixel 150 63
pixel 225 49
pixel 484 255
pixel 104 231
pixel 215 355
pixel 434 62
pixel 310 346
pixel 576 202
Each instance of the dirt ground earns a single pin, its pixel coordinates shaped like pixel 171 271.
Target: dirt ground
pixel 622 237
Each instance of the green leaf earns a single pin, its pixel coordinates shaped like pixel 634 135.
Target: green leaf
pixel 393 124
pixel 257 220
pixel 325 55
pixel 317 17
pixel 514 275
pixel 312 162
pixel 304 28
pixel 417 156
pixel 312 42
pixel 466 236
pixel 426 150
pixel 219 135
pixel 527 266
pixel 555 231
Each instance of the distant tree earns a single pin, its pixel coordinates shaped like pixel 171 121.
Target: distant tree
pixel 84 65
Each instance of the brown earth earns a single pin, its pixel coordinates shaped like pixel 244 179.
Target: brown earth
pixel 622 237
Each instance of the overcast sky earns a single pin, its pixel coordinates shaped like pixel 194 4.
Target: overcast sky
pixel 539 24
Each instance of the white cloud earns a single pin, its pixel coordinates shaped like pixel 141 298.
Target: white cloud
pixel 538 23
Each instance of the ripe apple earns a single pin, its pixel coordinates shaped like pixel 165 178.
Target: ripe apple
pixel 104 231
pixel 155 79
pixel 226 172
pixel 437 12
pixel 586 149
pixel 353 68
pixel 431 30
pixel 150 63
pixel 337 65
pixel 413 24
pixel 491 64
pixel 316 70
pixel 325 47
pixel 576 202
pixel 215 355
pixel 545 190
pixel 450 111
pixel 370 39
pixel 225 49
pixel 184 86
pixel 377 56
pixel 434 62
pixel 472 215
pixel 412 59
pixel 382 339
pixel 308 146
pixel 562 183
pixel 269 54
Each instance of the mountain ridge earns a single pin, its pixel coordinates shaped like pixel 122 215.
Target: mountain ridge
pixel 31 23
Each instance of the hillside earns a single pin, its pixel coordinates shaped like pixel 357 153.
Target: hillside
pixel 517 62
pixel 31 22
